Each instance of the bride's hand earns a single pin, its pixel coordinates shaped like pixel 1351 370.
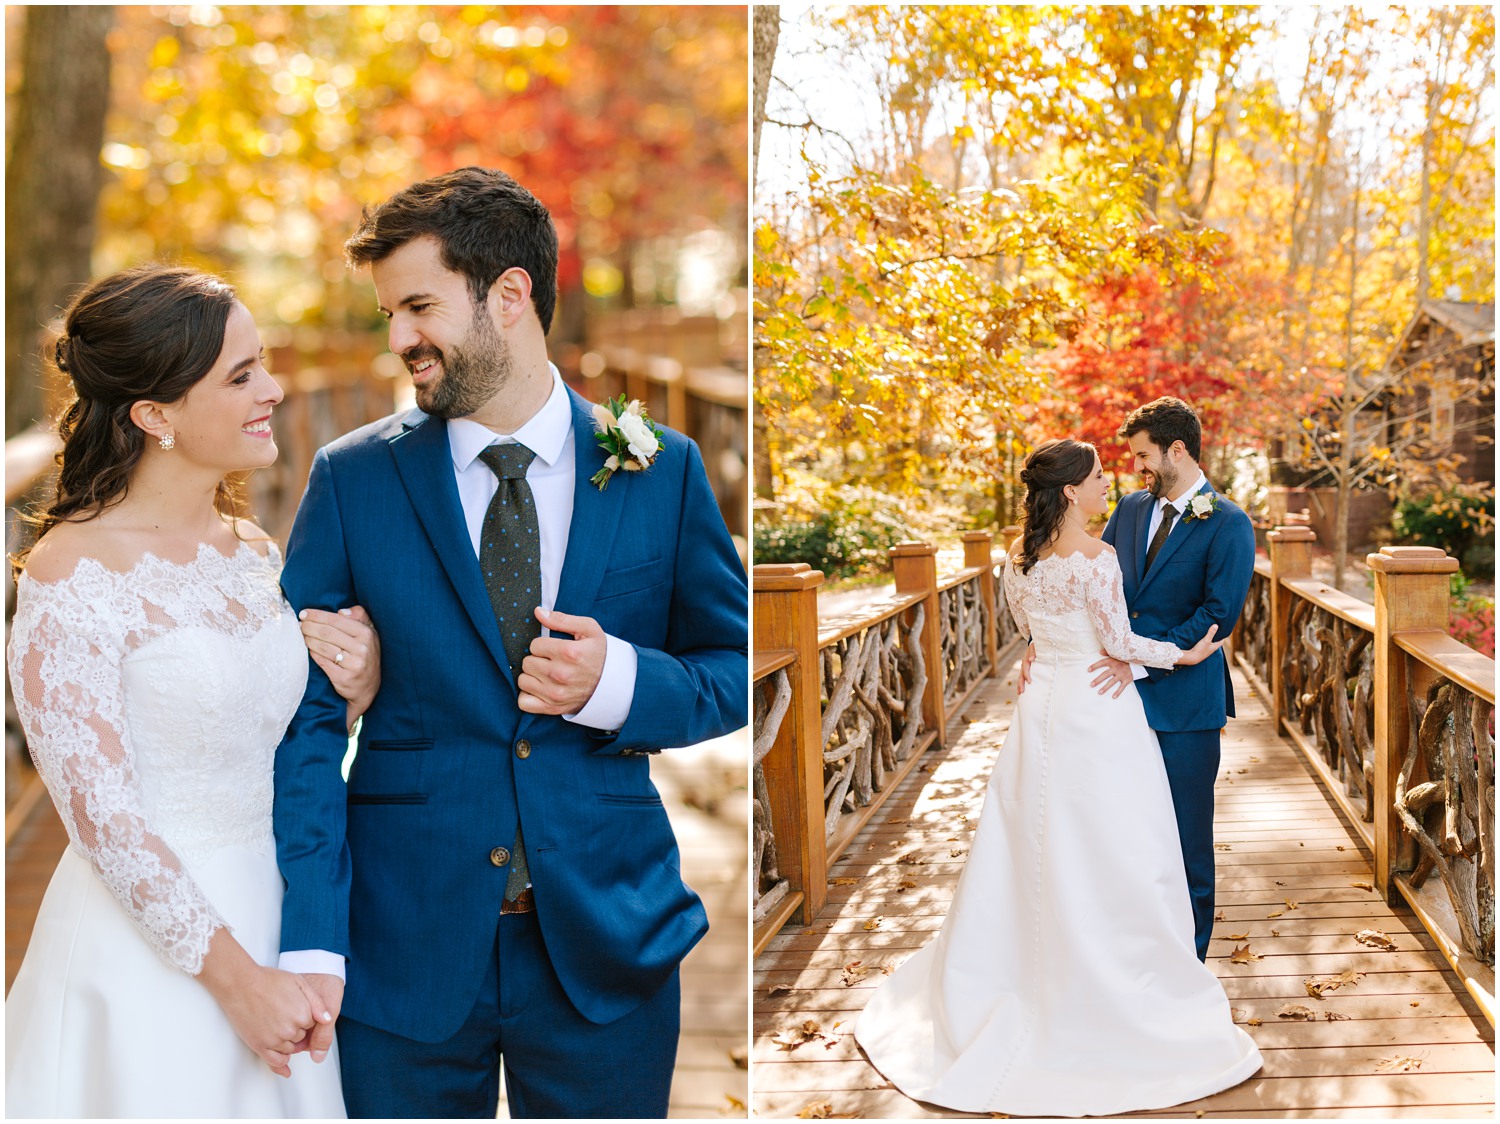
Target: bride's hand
pixel 1203 649
pixel 270 1010
pixel 350 633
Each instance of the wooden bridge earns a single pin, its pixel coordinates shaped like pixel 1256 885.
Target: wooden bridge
pixel 1307 891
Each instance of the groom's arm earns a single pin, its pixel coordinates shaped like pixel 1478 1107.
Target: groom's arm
pixel 695 687
pixel 310 808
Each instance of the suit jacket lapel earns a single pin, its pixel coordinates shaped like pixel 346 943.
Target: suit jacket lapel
pixel 1175 538
pixel 1142 534
pixel 596 514
pixel 426 468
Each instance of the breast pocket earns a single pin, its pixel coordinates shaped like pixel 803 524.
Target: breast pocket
pixel 633 580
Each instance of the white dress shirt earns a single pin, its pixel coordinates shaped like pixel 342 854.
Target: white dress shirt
pixel 1157 514
pixel 552 476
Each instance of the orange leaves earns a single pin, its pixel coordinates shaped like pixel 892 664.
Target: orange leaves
pixel 1243 955
pixel 1374 938
pixel 1318 986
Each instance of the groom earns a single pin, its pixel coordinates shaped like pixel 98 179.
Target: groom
pixel 498 884
pixel 1187 555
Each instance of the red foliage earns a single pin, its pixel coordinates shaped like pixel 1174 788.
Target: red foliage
pixel 1473 623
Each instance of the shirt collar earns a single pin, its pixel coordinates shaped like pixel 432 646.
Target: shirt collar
pixel 545 432
pixel 1182 500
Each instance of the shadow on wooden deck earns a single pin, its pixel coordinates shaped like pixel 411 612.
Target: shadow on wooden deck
pixel 1293 883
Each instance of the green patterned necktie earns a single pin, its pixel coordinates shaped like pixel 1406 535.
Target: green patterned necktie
pixel 510 559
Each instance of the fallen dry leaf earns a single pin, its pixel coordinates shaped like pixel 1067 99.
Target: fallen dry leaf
pixel 854 972
pixel 957 852
pixel 1290 904
pixel 805 932
pixel 1374 938
pixel 736 1105
pixel 1219 916
pixel 1242 770
pixel 1236 1013
pixel 1279 882
pixel 740 1056
pixel 1254 759
pixel 904 885
pixel 1278 913
pixel 1340 847
pixel 1237 936
pixel 843 881
pixel 779 989
pixel 1243 955
pixel 792 1037
pixel 1302 844
pixel 1317 986
pixel 873 924
pixel 1362 886
pixel 1416 1003
pixel 953 839
pixel 817 1110
pixel 910 857
pixel 900 820
pixel 1252 1022
pixel 1296 1011
pixel 1335 1016
pixel 1222 847
pixel 1398 1064
pixel 1275 932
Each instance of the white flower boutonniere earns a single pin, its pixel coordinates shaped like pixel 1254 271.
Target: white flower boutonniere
pixel 1201 506
pixel 631 439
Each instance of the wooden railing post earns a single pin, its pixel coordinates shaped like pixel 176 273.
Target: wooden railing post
pixel 1291 557
pixel 1008 536
pixel 786 617
pixel 1411 594
pixel 979 550
pixel 915 567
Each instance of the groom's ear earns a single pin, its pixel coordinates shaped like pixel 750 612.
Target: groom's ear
pixel 510 297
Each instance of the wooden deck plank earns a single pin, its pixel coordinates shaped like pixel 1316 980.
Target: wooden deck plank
pixel 1281 839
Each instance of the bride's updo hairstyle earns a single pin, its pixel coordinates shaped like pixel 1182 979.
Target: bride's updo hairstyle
pixel 146 333
pixel 1050 468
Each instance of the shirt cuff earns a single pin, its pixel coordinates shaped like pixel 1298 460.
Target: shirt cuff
pixel 609 705
pixel 312 961
pixel 1138 671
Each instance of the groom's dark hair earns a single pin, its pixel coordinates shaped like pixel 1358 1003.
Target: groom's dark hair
pixel 1166 420
pixel 485 222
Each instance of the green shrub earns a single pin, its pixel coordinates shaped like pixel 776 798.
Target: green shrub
pixel 839 547
pixel 1460 521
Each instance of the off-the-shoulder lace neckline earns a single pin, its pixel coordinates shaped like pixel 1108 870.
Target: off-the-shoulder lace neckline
pixel 1064 557
pixel 213 555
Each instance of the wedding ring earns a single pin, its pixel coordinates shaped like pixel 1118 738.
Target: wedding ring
pixel 340 657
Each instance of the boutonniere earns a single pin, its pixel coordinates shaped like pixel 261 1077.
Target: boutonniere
pixel 631 439
pixel 1201 506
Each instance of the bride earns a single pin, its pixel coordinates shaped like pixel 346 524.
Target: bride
pixel 155 666
pixel 1065 981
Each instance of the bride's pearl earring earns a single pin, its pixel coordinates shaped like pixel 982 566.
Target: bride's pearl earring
pixel 167 441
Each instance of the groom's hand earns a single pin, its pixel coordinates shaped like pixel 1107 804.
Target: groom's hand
pixel 1025 676
pixel 330 989
pixel 1113 673
pixel 559 676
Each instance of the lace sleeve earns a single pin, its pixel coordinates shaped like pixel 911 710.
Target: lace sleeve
pixel 1105 599
pixel 1013 596
pixel 65 668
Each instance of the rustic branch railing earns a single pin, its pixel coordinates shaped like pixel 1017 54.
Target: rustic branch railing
pixel 1397 719
pixel 868 694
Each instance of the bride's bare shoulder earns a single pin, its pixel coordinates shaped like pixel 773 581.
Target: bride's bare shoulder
pixel 57 555
pixel 1095 548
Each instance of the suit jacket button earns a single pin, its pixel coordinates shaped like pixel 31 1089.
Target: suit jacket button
pixel 523 749
pixel 1134 616
pixel 499 856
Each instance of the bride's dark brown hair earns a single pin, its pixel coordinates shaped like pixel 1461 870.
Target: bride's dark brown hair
pixel 1051 467
pixel 147 333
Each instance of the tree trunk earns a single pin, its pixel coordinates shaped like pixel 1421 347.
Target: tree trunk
pixel 767 30
pixel 52 182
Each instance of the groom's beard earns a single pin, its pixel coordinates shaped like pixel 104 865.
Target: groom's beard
pixel 473 371
pixel 1161 482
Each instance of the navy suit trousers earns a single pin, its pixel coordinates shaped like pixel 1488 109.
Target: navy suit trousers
pixel 558 1065
pixel 1192 760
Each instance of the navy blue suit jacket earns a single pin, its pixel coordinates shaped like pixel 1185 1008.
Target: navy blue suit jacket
pixel 1201 576
pixel 394 870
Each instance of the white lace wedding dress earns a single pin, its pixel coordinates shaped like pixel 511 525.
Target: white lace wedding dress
pixel 1065 980
pixel 153 702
